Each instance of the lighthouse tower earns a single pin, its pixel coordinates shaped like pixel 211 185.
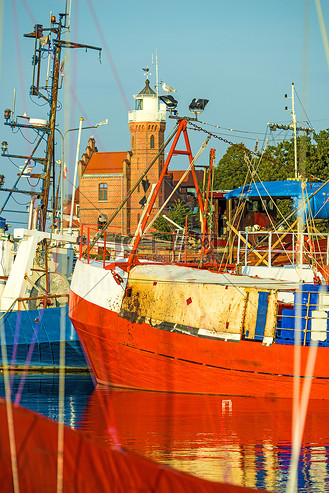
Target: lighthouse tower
pixel 147 123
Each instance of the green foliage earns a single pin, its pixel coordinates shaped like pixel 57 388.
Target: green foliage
pixel 231 170
pixel 285 206
pixel 322 225
pixel 318 158
pixel 178 214
pixel 277 162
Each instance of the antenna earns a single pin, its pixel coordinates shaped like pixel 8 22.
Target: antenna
pixel 156 71
pixel 68 7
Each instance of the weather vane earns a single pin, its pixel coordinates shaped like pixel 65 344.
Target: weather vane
pixel 146 71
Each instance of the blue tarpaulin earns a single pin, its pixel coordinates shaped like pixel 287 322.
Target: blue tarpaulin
pixel 319 203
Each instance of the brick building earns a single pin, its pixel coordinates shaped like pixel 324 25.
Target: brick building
pixel 104 180
pixel 106 177
pixel 186 191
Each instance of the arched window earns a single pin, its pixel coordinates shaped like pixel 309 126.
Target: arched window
pixel 102 191
pixel 152 142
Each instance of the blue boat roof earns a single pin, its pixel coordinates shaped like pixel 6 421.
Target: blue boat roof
pixel 319 203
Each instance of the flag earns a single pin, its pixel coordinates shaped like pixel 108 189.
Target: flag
pixel 65 171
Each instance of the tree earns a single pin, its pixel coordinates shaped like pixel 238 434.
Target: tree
pixel 231 170
pixel 178 214
pixel 277 162
pixel 318 158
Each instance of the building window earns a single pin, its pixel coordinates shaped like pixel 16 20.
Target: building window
pixel 152 142
pixel 102 191
pixel 138 104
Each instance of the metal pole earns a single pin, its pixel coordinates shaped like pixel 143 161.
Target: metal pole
pixel 75 175
pixel 62 182
pixel 50 140
pixel 294 125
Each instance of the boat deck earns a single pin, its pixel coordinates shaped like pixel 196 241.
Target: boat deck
pixel 180 274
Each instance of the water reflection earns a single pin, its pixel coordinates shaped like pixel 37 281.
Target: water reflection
pixel 39 392
pixel 245 441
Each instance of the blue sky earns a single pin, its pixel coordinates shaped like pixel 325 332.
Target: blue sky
pixel 241 55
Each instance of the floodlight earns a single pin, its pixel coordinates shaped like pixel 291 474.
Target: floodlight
pixel 197 105
pixel 169 101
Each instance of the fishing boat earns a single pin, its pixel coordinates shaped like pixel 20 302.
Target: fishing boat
pixel 36 265
pixel 182 327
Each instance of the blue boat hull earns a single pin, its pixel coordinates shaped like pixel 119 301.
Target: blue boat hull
pixel 33 339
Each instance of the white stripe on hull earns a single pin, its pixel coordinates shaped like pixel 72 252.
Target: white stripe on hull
pixel 98 286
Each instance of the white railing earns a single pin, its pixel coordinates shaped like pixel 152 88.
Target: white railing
pixel 267 244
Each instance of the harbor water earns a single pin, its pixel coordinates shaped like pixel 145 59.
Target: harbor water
pixel 245 441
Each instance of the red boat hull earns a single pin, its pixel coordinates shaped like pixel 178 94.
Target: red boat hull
pixel 139 356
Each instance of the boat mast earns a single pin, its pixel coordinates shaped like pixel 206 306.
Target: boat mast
pixel 294 125
pixel 51 124
pixel 44 128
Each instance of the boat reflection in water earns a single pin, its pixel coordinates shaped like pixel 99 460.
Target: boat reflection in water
pixel 39 392
pixel 245 441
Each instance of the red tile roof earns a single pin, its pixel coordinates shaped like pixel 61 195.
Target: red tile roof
pixel 177 174
pixel 105 162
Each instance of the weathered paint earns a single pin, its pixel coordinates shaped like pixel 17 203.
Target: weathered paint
pixel 214 308
pixel 272 307
pixel 210 307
